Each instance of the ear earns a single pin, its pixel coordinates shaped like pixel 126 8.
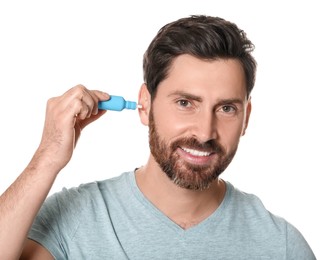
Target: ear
pixel 144 101
pixel 247 116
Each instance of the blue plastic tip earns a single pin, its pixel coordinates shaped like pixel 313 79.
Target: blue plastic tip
pixel 116 103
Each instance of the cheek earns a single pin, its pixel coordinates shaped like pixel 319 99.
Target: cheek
pixel 171 127
pixel 229 134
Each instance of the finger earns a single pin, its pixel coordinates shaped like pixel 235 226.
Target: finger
pixel 89 97
pixel 84 110
pixel 79 101
pixel 102 96
pixel 91 119
pixel 99 96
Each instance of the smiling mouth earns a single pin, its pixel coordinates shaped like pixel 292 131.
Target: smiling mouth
pixel 196 152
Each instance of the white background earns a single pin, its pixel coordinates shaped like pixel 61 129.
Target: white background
pixel 46 47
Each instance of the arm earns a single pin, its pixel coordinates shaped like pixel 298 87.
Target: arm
pixel 66 116
pixel 297 246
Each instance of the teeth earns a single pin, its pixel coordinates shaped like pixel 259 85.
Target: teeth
pixel 196 152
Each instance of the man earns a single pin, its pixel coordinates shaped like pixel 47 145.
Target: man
pixel 199 73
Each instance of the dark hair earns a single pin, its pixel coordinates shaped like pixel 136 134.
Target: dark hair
pixel 201 36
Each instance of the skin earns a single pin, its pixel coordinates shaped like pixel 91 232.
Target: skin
pixel 66 116
pixel 197 98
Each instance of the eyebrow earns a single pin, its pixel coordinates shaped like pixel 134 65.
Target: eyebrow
pixel 199 99
pixel 186 95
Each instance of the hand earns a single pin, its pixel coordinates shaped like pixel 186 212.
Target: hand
pixel 66 116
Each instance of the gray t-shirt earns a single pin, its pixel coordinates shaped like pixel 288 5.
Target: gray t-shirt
pixel 112 219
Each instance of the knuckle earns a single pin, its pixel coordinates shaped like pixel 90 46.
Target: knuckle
pixel 80 87
pixel 50 102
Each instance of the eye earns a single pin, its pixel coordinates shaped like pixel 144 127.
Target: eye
pixel 228 109
pixel 184 103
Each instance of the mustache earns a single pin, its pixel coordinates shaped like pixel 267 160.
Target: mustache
pixel 193 143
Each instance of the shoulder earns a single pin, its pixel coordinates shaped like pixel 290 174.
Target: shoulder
pixel 249 210
pixel 73 204
pixel 297 246
pixel 253 215
pixel 85 192
pixel 253 209
pixel 247 202
pixel 64 211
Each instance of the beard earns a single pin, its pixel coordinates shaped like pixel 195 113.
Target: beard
pixel 182 173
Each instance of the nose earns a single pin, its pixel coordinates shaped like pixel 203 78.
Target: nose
pixel 205 128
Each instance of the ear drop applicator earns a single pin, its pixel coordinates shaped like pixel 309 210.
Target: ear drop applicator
pixel 117 103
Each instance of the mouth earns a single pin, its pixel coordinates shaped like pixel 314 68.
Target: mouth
pixel 196 157
pixel 195 152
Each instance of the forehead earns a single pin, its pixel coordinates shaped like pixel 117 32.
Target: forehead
pixel 223 78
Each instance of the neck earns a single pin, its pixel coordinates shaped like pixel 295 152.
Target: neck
pixel 185 207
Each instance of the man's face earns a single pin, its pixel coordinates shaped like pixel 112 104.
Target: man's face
pixel 197 118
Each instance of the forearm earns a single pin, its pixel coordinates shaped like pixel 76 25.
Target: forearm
pixel 66 116
pixel 19 205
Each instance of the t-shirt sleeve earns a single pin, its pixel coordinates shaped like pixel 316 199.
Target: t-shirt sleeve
pixel 297 246
pixel 56 223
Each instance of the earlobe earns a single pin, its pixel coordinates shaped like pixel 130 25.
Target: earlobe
pixel 144 101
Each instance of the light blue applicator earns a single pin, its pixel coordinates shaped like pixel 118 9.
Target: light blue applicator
pixel 117 103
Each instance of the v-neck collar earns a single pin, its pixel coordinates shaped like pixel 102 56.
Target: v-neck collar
pixel 209 223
